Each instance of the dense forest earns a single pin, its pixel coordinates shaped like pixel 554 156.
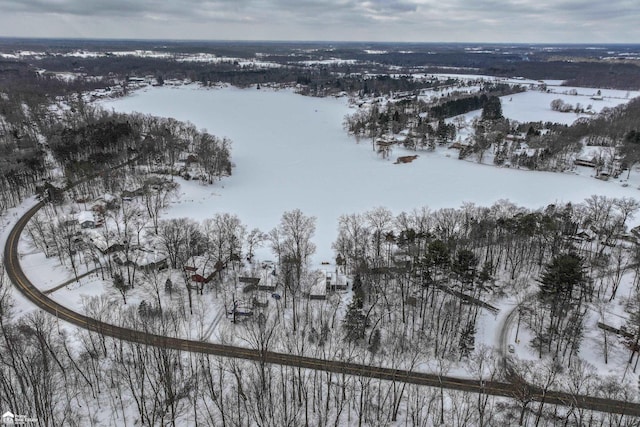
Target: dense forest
pixel 78 139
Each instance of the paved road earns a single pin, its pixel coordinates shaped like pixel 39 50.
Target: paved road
pixel 496 388
pixel 506 327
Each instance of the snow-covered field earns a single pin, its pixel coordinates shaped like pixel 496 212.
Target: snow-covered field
pixel 535 105
pixel 292 152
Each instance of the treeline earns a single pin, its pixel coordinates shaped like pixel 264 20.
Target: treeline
pixel 421 280
pixel 605 74
pixel 90 138
pixel 78 378
pixel 465 104
pixel 20 79
pixel 576 65
pixel 82 141
pixel 321 82
pixel 435 271
pixel 22 159
pixel 556 146
pixel 422 120
pixel 312 80
pixel 316 80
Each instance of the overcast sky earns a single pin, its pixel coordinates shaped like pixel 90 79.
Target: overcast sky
pixel 545 21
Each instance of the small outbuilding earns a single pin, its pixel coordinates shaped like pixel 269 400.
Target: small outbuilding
pixel 86 219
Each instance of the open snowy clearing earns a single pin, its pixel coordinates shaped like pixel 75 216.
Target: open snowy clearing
pixel 292 152
pixel 534 105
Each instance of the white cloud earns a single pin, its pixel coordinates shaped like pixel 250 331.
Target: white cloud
pixel 560 21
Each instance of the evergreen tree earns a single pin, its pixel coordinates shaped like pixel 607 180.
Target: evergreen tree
pixel 465 265
pixel 445 131
pixel 121 286
pixel 143 309
pixel 438 254
pixel 485 274
pixel 467 340
pixel 561 276
pixel 358 291
pixel 630 149
pixel 374 344
pixel 355 321
pixel 492 109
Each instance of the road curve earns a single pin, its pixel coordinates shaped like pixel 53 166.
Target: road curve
pixel 496 388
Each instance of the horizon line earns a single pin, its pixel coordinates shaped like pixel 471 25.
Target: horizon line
pixel 275 41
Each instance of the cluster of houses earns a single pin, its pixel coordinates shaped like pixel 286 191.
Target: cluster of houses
pixel 90 223
pixel 605 167
pixel 131 83
pixel 257 287
pixel 317 287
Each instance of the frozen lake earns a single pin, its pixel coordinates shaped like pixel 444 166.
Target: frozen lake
pixel 292 152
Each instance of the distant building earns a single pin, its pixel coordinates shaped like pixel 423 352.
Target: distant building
pixel 99 241
pixel 585 162
pixel 268 280
pixel 336 282
pixel 318 288
pixel 151 260
pixel 86 219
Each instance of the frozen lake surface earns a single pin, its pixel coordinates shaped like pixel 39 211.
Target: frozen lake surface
pixel 292 152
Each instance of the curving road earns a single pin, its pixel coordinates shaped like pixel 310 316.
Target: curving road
pixel 520 391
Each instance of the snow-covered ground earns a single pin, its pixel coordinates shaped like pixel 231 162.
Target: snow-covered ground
pixel 535 105
pixel 592 348
pixel 292 152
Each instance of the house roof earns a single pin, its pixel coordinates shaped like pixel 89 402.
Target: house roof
pixel 319 287
pixel 85 216
pixel 109 197
pixel 146 257
pixel 203 264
